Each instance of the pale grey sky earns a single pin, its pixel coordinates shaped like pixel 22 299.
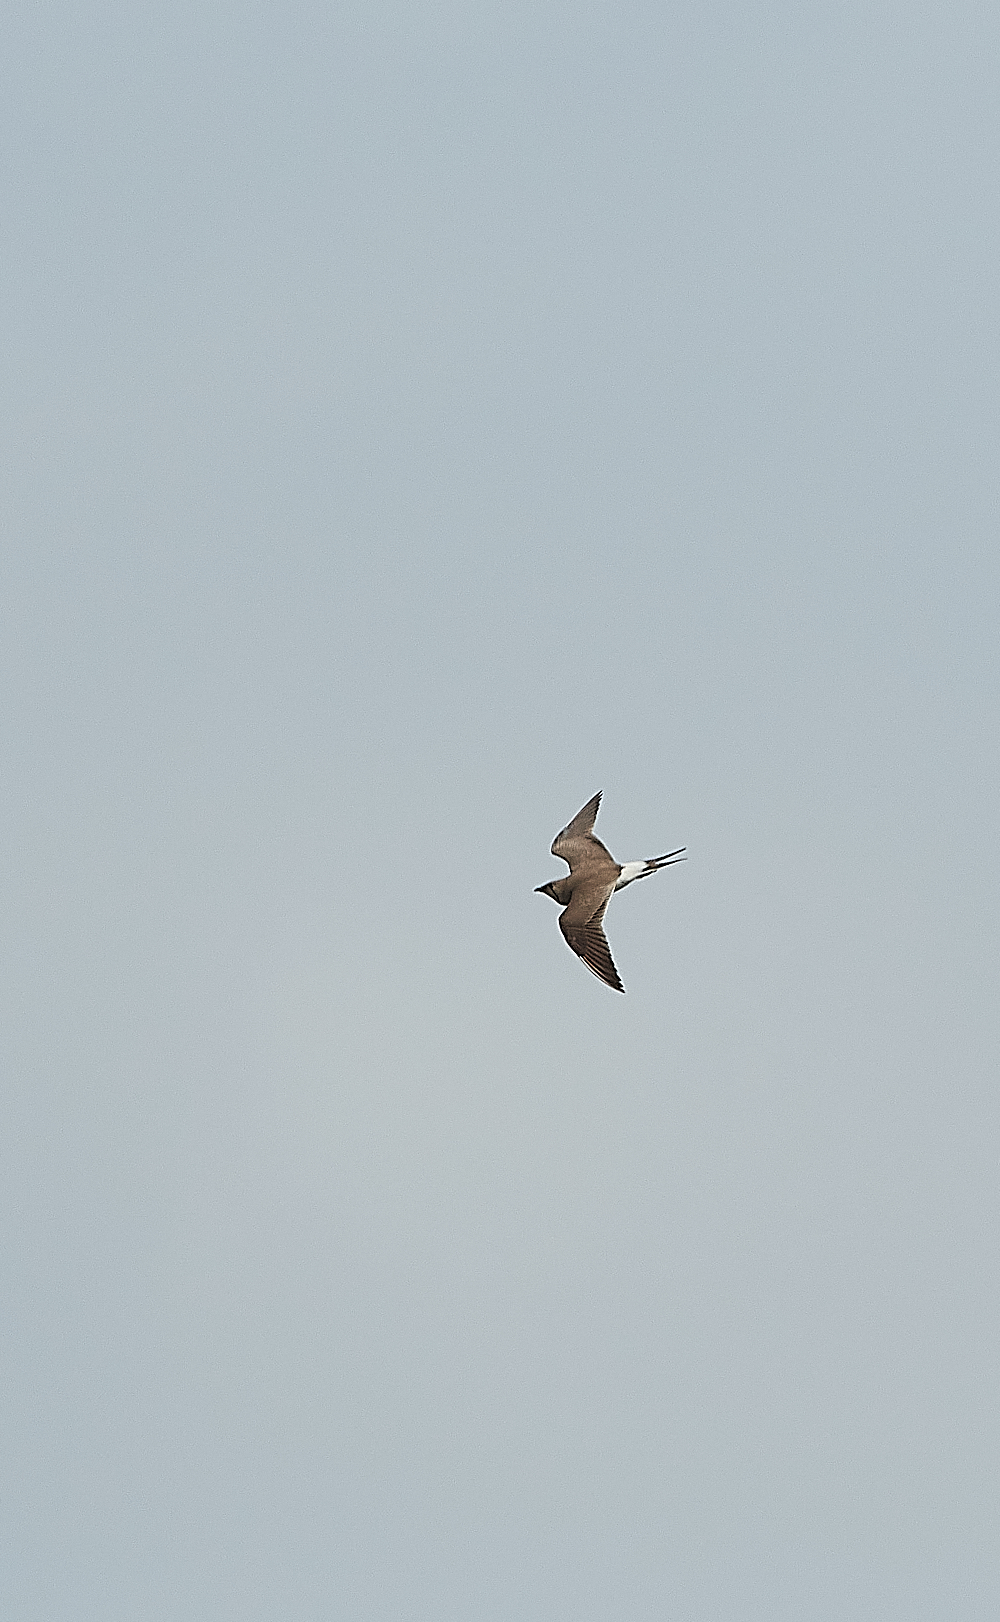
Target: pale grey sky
pixel 417 418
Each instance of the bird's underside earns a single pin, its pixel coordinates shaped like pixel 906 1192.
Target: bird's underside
pixel 594 876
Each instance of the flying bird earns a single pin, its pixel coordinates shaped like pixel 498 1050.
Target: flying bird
pixel 594 876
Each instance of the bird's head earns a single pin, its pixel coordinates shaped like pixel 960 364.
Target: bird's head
pixel 546 889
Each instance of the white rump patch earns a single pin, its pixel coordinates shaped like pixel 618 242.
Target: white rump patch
pixel 630 871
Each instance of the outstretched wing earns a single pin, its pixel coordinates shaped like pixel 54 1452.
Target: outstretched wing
pixel 577 844
pixel 588 940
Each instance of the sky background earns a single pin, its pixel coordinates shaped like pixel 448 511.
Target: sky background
pixel 416 418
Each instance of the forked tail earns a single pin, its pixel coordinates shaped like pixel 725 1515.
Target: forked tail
pixel 642 870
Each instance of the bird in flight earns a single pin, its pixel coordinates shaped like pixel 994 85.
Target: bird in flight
pixel 594 876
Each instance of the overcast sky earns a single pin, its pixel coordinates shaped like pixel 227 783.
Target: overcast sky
pixel 417 418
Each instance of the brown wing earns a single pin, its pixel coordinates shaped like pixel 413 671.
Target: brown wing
pixel 578 846
pixel 587 939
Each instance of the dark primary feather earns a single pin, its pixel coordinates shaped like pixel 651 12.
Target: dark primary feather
pixel 590 943
pixel 577 844
pixel 584 820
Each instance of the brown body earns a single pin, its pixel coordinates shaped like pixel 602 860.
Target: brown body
pixel 594 876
